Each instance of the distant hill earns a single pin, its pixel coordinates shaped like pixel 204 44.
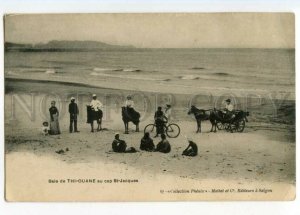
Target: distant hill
pixel 62 45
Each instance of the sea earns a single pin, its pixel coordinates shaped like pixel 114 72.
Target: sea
pixel 256 69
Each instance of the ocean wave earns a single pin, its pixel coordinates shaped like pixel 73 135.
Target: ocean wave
pixel 125 76
pixel 221 74
pixel 197 68
pixel 10 72
pixel 33 70
pixel 50 71
pixel 97 69
pixel 189 77
pixel 132 70
pixel 95 73
pixel 102 69
pixel 21 66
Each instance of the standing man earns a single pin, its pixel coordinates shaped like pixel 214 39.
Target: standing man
pixel 97 114
pixel 73 110
pixel 160 119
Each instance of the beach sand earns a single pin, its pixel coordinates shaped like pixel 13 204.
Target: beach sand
pixel 262 157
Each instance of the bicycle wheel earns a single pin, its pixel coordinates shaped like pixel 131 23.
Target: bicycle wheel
pixel 151 129
pixel 173 130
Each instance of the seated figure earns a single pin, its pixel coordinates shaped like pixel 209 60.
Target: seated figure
pixel 164 145
pixel 147 143
pixel 191 150
pixel 119 145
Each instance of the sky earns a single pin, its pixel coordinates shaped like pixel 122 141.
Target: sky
pixel 154 30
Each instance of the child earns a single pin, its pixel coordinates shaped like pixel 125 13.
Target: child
pixel 45 128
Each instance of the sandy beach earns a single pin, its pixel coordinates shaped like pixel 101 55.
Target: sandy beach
pixel 262 157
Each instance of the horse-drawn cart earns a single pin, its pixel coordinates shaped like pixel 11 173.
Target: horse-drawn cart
pixel 234 122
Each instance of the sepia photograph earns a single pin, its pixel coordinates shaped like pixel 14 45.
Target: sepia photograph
pixel 149 107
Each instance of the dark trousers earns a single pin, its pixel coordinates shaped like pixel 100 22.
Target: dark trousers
pixel 159 126
pixel 73 120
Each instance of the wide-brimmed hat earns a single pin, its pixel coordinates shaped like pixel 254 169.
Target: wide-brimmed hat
pixel 228 100
pixel 72 98
pixel 129 97
pixel 168 105
pixel 94 95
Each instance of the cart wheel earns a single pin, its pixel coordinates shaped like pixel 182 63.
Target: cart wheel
pixel 232 127
pixel 241 125
pixel 227 126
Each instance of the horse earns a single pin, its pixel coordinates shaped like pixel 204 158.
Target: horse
pixel 200 115
pixel 94 115
pixel 130 115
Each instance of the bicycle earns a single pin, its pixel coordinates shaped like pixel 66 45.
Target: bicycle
pixel 172 130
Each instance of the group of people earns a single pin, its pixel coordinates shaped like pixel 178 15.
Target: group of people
pixel 161 117
pixel 54 129
pixel 147 144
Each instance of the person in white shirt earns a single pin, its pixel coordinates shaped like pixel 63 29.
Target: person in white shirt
pixel 228 110
pixel 96 104
pixel 168 111
pixel 228 105
pixel 96 107
pixel 129 102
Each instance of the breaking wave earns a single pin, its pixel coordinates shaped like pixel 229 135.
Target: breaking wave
pixel 97 69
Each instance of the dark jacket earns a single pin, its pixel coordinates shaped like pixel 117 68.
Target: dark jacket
pixel 147 144
pixel 119 145
pixel 53 110
pixel 163 146
pixel 73 108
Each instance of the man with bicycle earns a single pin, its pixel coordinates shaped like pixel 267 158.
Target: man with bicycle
pixel 160 120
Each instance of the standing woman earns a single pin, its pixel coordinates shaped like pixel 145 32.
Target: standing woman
pixel 54 125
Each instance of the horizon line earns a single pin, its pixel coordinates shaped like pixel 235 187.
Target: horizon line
pixel 134 47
